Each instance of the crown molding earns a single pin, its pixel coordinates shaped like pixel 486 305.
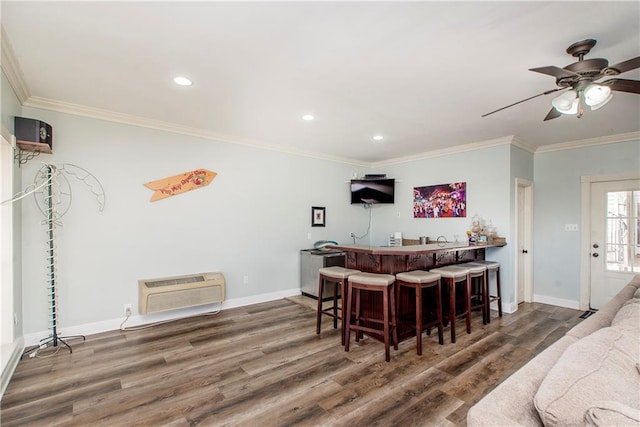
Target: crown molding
pixel 11 68
pixel 112 116
pixel 446 151
pixel 128 119
pixel 601 140
pixel 517 142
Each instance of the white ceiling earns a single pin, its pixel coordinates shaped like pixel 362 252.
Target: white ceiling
pixel 419 73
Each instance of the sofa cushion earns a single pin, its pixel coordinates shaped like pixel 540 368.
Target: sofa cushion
pixel 628 317
pixel 609 413
pixel 601 366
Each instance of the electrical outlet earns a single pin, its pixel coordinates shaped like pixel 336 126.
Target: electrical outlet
pixel 127 310
pixel 245 279
pixel 352 234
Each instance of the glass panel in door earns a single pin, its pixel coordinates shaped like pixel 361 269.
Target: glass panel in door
pixel 622 238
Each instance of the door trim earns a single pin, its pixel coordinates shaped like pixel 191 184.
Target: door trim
pixel 585 235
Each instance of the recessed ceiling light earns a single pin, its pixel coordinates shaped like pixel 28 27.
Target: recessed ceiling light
pixel 378 138
pixel 308 117
pixel 182 81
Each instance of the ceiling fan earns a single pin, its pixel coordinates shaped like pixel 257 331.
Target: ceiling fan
pixel 580 80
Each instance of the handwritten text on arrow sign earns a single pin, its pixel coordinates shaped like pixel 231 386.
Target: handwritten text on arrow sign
pixel 178 184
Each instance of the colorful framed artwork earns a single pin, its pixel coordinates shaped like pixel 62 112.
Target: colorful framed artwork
pixel 440 201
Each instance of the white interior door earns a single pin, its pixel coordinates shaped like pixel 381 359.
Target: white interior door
pixel 615 240
pixel 524 255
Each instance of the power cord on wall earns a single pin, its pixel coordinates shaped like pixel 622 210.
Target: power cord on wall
pixel 149 325
pixel 370 207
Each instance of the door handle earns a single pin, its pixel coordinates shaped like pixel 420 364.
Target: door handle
pixel 595 255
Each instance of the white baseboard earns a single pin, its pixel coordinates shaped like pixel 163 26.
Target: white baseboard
pixel 113 324
pixel 256 299
pixel 557 301
pixel 11 354
pixel 513 307
pixel 506 307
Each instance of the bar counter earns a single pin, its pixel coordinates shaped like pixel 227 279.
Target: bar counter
pixel 396 259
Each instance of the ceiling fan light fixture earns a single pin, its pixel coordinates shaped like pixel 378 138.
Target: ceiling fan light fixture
pixel 567 103
pixel 597 96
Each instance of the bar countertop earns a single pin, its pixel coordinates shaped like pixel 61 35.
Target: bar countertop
pixel 414 249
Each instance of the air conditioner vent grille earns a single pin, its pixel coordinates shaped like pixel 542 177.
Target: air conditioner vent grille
pixel 170 282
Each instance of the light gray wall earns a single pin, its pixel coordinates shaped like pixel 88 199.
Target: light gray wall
pixel 521 162
pixel 486 172
pixel 557 202
pixel 487 175
pixel 252 220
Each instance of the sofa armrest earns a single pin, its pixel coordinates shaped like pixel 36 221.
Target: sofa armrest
pixel 511 402
pixel 483 416
pixel 603 317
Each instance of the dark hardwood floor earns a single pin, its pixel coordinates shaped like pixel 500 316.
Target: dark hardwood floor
pixel 264 365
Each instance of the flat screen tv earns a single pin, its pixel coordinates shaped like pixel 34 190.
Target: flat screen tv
pixel 373 191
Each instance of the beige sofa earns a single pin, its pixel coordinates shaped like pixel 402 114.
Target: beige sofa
pixel 591 376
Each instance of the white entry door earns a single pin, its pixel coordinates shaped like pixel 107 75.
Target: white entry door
pixel 615 239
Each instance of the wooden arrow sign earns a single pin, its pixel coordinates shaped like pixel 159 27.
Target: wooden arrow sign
pixel 178 184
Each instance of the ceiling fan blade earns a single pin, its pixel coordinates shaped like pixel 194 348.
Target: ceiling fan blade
pixel 623 85
pixel 628 65
pixel 524 100
pixel 554 71
pixel 552 114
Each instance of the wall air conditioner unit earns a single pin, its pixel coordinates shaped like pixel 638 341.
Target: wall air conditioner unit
pixel 171 293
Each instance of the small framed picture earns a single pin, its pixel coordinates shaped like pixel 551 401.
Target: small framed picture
pixel 317 217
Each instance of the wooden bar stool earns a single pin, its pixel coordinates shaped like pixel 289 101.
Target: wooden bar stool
pixel 492 266
pixel 453 274
pixel 339 276
pixel 479 288
pixel 371 282
pixel 419 280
